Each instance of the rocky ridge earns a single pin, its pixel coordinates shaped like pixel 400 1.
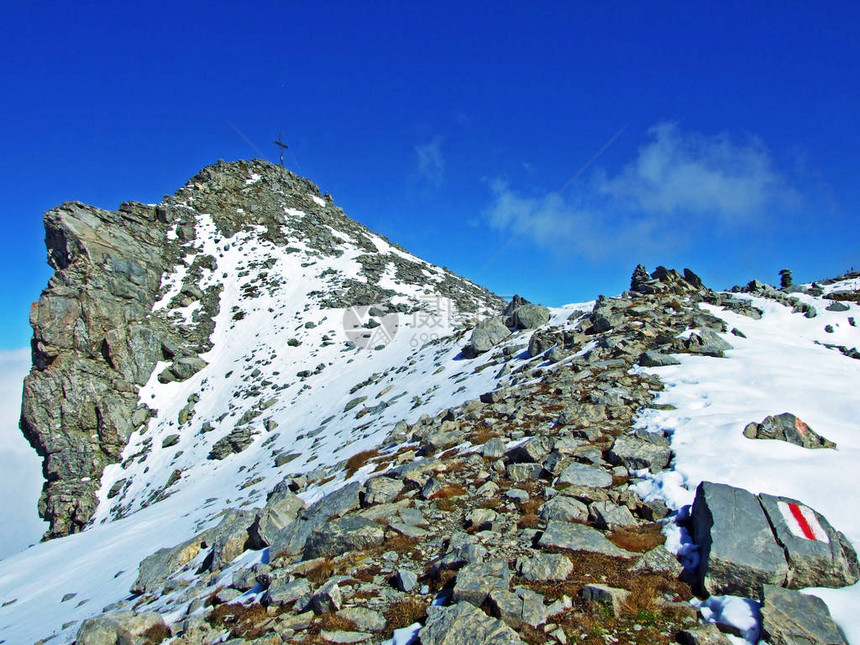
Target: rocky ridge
pixel 516 511
pixel 134 289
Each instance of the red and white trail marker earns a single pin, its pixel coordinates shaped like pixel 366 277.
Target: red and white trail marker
pixel 802 522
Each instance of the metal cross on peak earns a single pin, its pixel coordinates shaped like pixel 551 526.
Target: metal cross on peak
pixel 283 146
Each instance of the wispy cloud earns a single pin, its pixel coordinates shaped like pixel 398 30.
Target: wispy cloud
pixel 687 172
pixel 680 183
pixel 430 162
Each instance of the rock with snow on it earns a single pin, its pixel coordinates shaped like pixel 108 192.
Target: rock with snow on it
pixel 578 537
pixel 341 637
pixel 279 512
pixel 738 552
pixel 328 598
pixel 818 555
pixel 465 624
pixel 364 619
pixel 530 451
pixel 706 634
pixel 380 490
pixel 282 591
pixel 789 428
pixel 792 618
pixel 838 306
pixel 706 343
pixel 405 580
pixel 488 333
pixel 476 581
pixel 528 317
pixel 518 607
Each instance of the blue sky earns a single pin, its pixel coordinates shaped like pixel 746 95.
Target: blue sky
pixel 447 126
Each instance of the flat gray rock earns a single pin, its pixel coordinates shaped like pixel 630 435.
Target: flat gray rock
pixel 654 358
pixel 475 581
pixel 818 555
pixel 343 535
pixel 635 454
pixel 118 627
pixel 465 624
pixel 584 475
pixel 578 537
pixel 564 509
pixel 488 333
pixel 738 552
pixel 545 566
pixel 792 618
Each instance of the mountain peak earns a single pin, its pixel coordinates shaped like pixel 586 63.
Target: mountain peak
pixel 147 293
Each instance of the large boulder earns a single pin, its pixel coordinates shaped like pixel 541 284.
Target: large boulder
pixel 342 535
pixel 528 317
pixel 121 628
pixel 475 581
pixel 739 553
pixel 578 537
pixel 792 618
pixel 488 333
pixel 465 624
pixel 789 428
pixel 818 555
pixel 640 452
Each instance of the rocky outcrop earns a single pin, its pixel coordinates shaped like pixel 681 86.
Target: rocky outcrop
pixel 107 317
pixel 93 347
pixel 789 428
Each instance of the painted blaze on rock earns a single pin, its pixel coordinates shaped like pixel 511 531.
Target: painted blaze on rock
pixel 818 555
pixel 747 542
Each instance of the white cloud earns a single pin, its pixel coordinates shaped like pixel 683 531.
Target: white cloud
pixel 430 162
pixel 678 172
pixel 679 184
pixel 20 467
pixel 569 224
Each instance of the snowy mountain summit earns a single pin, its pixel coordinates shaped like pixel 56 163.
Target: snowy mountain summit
pixel 263 423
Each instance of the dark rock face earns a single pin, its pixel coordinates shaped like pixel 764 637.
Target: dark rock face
pixel 92 349
pixel 739 553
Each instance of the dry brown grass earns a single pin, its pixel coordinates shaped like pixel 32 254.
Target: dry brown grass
pixel 404 613
pixel 639 539
pixel 528 521
pixel 358 460
pixel 156 634
pixel 446 504
pixel 452 490
pixel 368 573
pixel 242 621
pixel 322 572
pixel 333 622
pixel 482 436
